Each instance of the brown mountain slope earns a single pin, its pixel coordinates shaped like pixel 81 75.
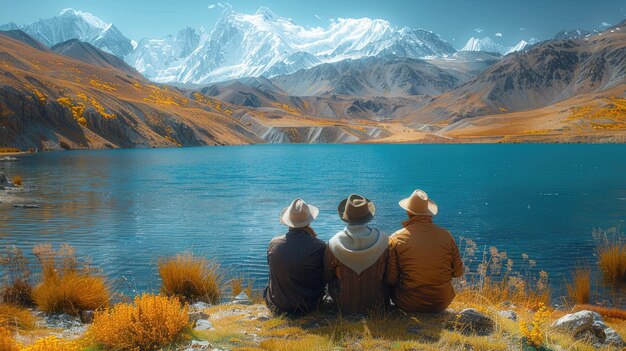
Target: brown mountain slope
pixel 547 74
pixel 49 101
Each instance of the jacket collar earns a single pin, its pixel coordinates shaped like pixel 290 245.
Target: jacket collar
pixel 416 219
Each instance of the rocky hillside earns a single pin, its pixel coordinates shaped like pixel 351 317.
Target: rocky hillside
pixel 371 76
pixel 550 72
pixel 91 99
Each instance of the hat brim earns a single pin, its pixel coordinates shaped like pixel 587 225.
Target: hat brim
pixel 356 221
pixel 284 218
pixel 431 211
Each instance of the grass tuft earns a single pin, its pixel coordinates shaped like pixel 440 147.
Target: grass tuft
pixel 153 321
pixel 66 287
pixel 16 267
pixel 16 316
pixel 611 252
pixel 192 278
pixel 579 286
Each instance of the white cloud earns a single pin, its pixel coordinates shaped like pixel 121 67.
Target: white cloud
pixel 211 6
pixel 478 30
pixel 522 29
pixel 498 34
pixel 318 17
pixel 604 25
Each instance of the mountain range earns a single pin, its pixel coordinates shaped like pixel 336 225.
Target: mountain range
pixel 290 84
pixel 244 45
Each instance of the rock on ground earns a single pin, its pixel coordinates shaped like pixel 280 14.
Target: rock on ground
pixel 470 321
pixel 589 325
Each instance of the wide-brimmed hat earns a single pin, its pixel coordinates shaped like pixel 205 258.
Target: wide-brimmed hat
pixel 419 204
pixel 356 210
pixel 299 214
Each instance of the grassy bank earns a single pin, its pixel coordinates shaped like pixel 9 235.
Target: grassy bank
pixel 514 296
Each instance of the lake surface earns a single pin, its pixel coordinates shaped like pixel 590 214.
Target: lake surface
pixel 126 208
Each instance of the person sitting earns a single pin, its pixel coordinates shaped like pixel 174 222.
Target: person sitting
pixel 423 259
pixel 296 262
pixel 355 259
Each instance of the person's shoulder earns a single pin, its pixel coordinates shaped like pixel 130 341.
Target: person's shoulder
pixel 278 239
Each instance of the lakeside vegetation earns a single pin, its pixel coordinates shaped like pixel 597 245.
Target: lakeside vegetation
pixel 516 296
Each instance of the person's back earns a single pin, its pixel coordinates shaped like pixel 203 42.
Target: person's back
pixel 296 266
pixel 423 259
pixel 296 282
pixel 356 258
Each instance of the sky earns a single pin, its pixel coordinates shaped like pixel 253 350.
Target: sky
pixel 454 20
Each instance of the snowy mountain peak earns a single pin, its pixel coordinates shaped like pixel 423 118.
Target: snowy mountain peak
pixel 86 16
pixel 75 24
pixel 485 44
pixel 264 43
pixel 267 13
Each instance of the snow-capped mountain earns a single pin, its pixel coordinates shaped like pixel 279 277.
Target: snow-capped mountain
pixel 522 45
pixel 263 43
pixel 489 45
pixel 484 44
pixel 73 24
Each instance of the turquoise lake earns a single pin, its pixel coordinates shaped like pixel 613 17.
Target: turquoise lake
pixel 126 208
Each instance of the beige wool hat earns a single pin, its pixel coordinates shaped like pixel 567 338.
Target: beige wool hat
pixel 299 214
pixel 419 204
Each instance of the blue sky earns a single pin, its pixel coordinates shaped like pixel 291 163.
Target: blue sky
pixel 454 20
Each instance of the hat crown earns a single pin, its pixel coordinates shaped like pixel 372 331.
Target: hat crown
pixel 298 210
pixel 419 204
pixel 356 209
pixel 418 200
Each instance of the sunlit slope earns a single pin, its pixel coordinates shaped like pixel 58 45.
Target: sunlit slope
pixel 49 100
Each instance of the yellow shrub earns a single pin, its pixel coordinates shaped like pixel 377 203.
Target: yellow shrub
pixel 7 342
pixel 17 289
pixel 65 287
pixel 15 316
pixel 52 343
pixel 189 277
pixel 535 335
pixel 308 342
pixel 77 110
pixel 152 322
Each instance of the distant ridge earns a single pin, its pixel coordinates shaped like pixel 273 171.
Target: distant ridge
pixel 20 35
pixel 88 53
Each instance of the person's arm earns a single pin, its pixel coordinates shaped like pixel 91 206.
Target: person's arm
pixel 457 262
pixel 392 272
pixel 330 264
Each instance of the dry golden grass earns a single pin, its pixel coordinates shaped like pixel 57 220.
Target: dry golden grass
pixel 71 293
pixel 153 321
pixel 306 343
pixel 496 279
pixel 52 343
pixel 192 278
pixel 9 150
pixel 64 286
pixel 579 286
pixel 611 252
pixel 16 316
pixel 7 341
